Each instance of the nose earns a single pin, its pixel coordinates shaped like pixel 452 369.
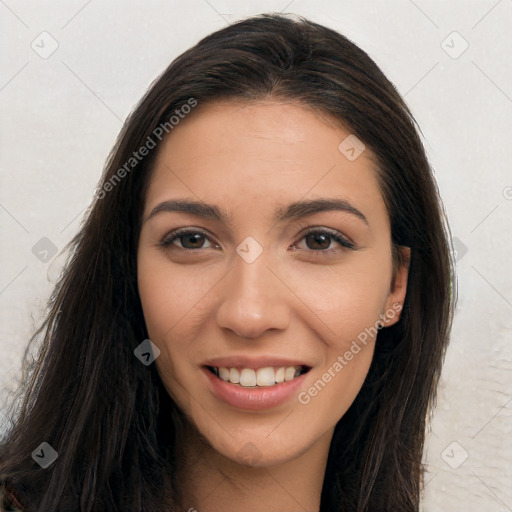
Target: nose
pixel 253 299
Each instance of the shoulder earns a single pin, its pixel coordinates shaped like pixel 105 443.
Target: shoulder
pixel 8 500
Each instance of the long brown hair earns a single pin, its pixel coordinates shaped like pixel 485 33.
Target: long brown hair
pixel 113 426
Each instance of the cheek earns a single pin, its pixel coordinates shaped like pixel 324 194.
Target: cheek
pixel 347 299
pixel 334 388
pixel 170 295
pixel 172 300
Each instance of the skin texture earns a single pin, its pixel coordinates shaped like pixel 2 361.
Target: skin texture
pixel 292 301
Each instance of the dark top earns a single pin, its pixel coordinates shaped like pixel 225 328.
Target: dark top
pixel 8 500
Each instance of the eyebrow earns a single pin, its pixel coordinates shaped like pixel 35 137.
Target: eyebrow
pixel 294 210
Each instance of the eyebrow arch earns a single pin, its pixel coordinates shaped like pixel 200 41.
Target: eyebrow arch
pixel 304 208
pixel 294 210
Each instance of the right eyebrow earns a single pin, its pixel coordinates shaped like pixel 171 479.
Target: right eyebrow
pixel 200 209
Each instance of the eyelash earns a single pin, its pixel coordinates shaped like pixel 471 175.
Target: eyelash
pixel 168 240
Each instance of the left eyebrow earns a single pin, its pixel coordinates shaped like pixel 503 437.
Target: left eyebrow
pixel 300 209
pixel 295 210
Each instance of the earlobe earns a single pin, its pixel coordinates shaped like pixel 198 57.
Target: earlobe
pixel 398 288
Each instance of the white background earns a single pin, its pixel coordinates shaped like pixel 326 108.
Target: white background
pixel 60 117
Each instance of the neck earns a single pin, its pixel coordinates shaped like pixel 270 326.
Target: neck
pixel 211 482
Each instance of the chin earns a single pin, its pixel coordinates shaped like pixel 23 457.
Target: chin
pixel 258 453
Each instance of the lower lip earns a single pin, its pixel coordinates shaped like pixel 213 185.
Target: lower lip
pixel 253 398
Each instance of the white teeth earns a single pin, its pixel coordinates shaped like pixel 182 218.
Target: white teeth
pixel 248 377
pixel 224 374
pixel 289 373
pixel 264 377
pixel 234 375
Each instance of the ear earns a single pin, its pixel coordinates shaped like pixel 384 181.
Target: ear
pixel 398 288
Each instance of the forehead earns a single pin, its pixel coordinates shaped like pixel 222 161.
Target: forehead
pixel 241 153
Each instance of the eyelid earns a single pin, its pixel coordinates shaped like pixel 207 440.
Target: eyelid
pixel 344 242
pixel 305 229
pixel 169 238
pixel 317 227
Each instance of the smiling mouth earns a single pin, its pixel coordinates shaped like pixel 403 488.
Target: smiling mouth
pixel 260 377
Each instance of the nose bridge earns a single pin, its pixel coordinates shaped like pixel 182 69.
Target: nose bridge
pixel 253 298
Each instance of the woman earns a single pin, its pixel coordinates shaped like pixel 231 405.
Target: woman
pixel 256 309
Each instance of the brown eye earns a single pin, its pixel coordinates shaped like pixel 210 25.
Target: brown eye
pixel 188 240
pixel 319 241
pixel 192 241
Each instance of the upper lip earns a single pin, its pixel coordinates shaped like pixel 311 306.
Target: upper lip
pixel 253 362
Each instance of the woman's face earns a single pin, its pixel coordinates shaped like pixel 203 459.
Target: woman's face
pixel 256 281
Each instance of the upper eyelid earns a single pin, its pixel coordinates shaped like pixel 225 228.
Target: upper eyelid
pixel 300 226
pixel 316 227
pixel 177 233
pixel 305 229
